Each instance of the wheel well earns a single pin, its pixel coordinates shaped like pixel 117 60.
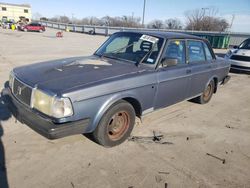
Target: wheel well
pixel 136 105
pixel 215 84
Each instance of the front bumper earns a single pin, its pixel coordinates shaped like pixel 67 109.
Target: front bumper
pixel 240 65
pixel 42 125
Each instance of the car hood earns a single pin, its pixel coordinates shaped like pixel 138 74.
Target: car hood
pixel 65 75
pixel 243 52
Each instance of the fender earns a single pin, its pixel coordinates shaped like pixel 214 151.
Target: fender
pixel 108 103
pixel 216 84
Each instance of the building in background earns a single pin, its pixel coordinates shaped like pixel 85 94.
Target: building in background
pixel 15 12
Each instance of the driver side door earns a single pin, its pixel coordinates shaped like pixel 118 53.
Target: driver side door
pixel 173 80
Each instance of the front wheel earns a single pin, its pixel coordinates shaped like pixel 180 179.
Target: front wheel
pixel 207 93
pixel 116 124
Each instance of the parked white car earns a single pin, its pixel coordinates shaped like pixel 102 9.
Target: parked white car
pixel 239 56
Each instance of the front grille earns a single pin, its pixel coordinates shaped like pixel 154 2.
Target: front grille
pixel 22 92
pixel 240 58
pixel 240 67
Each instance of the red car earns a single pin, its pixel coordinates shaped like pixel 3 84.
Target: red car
pixel 33 27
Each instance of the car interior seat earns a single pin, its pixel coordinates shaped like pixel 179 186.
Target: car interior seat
pixel 173 51
pixel 146 46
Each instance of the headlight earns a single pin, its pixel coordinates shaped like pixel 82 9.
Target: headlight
pixel 229 53
pixel 11 80
pixel 51 105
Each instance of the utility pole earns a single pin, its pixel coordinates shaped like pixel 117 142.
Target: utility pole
pixel 232 21
pixel 231 24
pixel 72 17
pixel 143 16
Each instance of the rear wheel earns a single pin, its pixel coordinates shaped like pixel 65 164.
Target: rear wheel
pixel 116 124
pixel 207 93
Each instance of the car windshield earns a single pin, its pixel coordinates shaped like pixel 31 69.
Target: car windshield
pixel 131 47
pixel 245 45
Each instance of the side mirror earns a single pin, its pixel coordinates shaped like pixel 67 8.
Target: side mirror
pixel 169 62
pixel 235 47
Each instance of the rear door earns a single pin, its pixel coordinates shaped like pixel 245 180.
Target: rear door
pixel 173 81
pixel 201 62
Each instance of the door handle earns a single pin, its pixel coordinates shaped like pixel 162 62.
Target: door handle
pixel 188 71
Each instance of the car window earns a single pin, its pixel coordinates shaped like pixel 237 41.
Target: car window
pixel 245 45
pixel 133 47
pixel 118 43
pixel 208 52
pixel 176 50
pixel 195 52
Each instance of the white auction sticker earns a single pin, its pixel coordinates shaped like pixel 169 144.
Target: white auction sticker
pixel 149 38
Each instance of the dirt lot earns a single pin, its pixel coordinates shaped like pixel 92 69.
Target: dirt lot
pixel 221 127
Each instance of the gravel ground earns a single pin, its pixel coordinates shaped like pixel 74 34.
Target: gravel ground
pixel 221 128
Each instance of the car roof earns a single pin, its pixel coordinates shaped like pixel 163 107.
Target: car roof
pixel 165 35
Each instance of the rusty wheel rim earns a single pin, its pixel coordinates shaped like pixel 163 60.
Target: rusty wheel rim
pixel 118 125
pixel 207 92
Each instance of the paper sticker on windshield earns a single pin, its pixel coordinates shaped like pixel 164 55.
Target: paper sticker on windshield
pixel 150 60
pixel 149 38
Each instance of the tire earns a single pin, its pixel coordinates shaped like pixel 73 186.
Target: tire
pixel 40 30
pixel 207 94
pixel 116 124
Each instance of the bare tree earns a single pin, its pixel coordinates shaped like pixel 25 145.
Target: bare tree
pixel 173 23
pixel 124 21
pixel 62 19
pixel 84 21
pixel 156 24
pixel 54 19
pixel 201 20
pixel 44 19
pixel 107 20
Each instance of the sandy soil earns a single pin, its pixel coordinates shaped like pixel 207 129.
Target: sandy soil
pixel 221 128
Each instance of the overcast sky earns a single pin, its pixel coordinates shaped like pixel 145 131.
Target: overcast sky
pixel 155 9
